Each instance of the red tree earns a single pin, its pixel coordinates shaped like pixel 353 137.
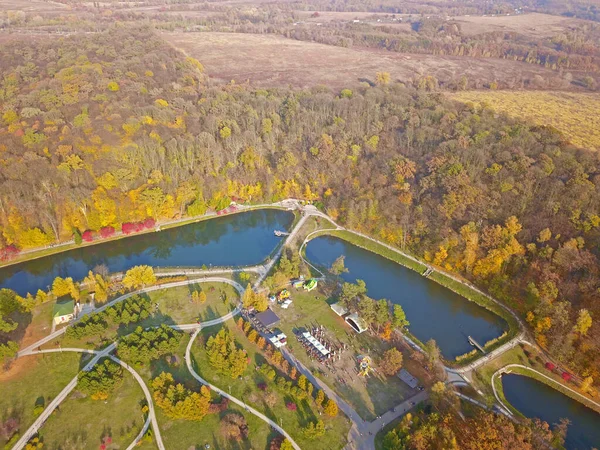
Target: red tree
pixel 550 366
pixel 88 236
pixel 149 223
pixel 106 232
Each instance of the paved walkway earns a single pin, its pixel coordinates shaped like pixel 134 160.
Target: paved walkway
pixel 31 348
pixel 188 361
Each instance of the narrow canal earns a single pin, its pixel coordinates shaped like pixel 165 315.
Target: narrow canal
pixel 236 240
pixel 535 399
pixel 433 310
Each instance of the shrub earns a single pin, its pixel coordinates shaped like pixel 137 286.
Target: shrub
pixel 8 252
pixel 106 232
pixel 291 406
pixel 149 223
pixel 128 228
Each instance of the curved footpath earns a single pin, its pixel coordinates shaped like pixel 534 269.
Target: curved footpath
pixel 31 348
pixel 248 408
pixel 34 428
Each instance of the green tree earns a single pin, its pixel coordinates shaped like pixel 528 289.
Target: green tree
pixel 224 355
pixel 399 320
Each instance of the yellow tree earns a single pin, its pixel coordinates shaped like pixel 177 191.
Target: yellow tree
pixel 138 277
pixel 331 408
pixel 382 78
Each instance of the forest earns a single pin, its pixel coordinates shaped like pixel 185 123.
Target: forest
pixel 118 127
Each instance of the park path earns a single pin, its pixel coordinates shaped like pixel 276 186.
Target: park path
pixel 106 352
pixel 99 354
pixel 31 348
pixel 188 361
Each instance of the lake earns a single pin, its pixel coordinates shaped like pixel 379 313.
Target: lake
pixel 238 240
pixel 434 311
pixel 535 399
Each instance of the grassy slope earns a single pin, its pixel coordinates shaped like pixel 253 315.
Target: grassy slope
pixel 575 114
pixel 119 416
pixel 46 376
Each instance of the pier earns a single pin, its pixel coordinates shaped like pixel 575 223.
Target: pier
pixel 475 344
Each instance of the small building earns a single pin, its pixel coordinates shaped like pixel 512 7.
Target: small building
pixel 286 304
pixel 359 325
pixel 283 295
pixel 267 318
pixel 407 377
pixel 63 312
pixel 339 309
pixel 297 283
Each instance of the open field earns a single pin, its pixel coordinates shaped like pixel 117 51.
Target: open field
pixel 272 61
pixel 32 6
pixel 84 422
pixel 176 302
pixel 45 377
pixel 535 25
pixel 574 114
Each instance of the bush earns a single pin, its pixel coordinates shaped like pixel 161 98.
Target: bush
pixel 291 406
pixel 149 223
pixel 106 232
pixel 8 252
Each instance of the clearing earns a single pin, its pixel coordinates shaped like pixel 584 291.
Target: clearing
pixel 535 25
pixel 84 423
pixel 274 61
pixel 574 114
pixel 43 380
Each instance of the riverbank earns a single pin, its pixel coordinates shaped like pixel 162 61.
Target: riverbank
pixel 33 254
pixel 461 288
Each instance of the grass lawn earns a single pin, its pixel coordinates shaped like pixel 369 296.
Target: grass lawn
pixel 40 379
pixel 176 302
pixel 83 422
pixel 369 396
pixel 174 307
pixel 183 434
pixel 248 391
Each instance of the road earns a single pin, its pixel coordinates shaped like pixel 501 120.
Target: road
pixel 188 361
